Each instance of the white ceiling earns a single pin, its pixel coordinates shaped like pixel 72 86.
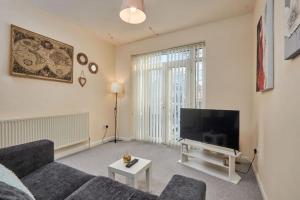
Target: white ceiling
pixel 102 16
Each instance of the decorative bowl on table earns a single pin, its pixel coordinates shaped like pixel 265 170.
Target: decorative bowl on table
pixel 126 158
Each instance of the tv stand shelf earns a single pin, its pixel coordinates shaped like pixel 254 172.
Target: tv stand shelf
pixel 213 160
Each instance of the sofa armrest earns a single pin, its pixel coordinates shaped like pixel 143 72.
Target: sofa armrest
pixel 25 158
pixel 183 188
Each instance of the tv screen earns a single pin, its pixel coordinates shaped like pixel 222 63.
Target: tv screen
pixel 217 127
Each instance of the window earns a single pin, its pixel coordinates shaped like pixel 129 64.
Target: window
pixel 164 82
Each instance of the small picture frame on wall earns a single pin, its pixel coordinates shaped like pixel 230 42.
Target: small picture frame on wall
pixel 292 30
pixel 93 68
pixel 82 59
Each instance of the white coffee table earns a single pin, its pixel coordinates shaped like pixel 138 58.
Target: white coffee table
pixel 131 173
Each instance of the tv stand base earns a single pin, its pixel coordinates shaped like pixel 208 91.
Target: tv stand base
pixel 213 160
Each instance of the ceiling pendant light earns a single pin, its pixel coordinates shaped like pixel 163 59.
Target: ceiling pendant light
pixel 132 11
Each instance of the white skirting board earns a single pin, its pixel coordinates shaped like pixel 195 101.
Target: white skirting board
pixel 79 147
pixel 108 139
pixel 84 146
pixel 105 140
pixel 261 187
pixel 71 150
pixel 125 139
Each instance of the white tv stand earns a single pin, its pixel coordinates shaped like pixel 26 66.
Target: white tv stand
pixel 210 159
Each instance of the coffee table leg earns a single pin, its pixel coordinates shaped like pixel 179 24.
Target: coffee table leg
pixel 132 182
pixel 111 174
pixel 148 179
pixel 128 181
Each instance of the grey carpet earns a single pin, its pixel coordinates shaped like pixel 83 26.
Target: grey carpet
pixel 96 160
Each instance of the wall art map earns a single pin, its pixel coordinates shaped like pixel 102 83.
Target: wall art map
pixel 37 56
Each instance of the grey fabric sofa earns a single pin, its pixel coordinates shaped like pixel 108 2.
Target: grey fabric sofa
pixel 34 164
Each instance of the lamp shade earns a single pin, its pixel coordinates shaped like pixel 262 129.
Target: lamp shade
pixel 132 11
pixel 116 87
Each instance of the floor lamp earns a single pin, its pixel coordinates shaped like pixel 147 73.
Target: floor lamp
pixel 116 88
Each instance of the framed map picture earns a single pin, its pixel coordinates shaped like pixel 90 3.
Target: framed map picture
pixel 37 56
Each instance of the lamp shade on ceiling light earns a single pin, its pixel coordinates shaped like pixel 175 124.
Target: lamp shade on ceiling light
pixel 115 87
pixel 132 11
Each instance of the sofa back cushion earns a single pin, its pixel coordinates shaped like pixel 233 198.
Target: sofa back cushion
pixel 26 158
pixel 55 181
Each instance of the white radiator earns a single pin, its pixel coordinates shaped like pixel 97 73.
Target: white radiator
pixel 63 130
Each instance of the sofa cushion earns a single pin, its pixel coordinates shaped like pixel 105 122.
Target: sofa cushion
pixel 183 188
pixel 140 195
pixel 102 188
pixel 25 158
pixel 55 181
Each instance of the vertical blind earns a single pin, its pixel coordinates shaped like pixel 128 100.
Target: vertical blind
pixel 164 82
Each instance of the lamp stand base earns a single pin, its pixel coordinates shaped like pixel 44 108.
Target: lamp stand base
pixel 116 141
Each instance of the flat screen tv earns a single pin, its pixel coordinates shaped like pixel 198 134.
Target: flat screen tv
pixel 217 127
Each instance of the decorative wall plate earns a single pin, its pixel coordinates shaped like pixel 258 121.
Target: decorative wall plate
pixel 82 59
pixel 93 67
pixel 82 80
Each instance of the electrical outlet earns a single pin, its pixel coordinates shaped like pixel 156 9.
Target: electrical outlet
pixel 255 151
pixel 105 126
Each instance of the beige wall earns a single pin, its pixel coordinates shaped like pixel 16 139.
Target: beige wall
pixel 277 119
pixel 228 73
pixel 269 120
pixel 21 97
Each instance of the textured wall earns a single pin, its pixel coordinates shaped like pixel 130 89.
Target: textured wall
pixel 21 97
pixel 229 68
pixel 276 119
